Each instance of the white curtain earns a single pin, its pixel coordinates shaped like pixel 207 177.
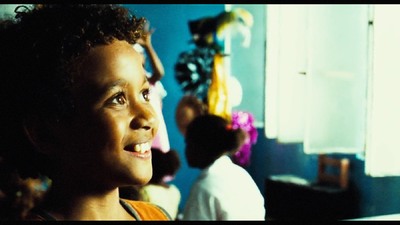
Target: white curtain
pixel 336 79
pixel 285 85
pixel 383 151
pixel 316 76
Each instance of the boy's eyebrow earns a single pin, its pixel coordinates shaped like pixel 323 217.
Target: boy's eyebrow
pixel 122 82
pixel 119 82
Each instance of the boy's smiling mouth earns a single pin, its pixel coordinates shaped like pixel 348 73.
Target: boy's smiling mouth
pixel 139 148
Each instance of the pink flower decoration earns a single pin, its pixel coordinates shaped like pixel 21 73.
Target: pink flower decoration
pixel 245 121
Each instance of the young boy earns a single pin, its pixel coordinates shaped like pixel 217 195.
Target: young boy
pixel 76 108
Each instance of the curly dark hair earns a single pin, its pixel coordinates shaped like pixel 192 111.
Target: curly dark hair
pixel 41 50
pixel 214 136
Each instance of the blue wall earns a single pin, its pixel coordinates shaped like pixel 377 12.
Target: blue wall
pixel 377 195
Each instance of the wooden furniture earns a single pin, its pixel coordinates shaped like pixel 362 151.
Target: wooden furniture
pixel 329 197
pixel 333 171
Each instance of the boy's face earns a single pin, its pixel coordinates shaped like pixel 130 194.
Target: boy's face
pixel 109 140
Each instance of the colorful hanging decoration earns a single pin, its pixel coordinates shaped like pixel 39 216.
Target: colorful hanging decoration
pixel 194 67
pixel 201 71
pixel 211 31
pixel 218 97
pixel 193 71
pixel 245 121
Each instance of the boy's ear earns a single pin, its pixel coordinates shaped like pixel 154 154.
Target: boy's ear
pixel 39 135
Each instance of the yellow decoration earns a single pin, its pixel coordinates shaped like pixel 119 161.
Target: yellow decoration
pixel 218 101
pixel 236 21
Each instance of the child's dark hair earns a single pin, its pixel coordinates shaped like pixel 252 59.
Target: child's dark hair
pixel 164 164
pixel 40 55
pixel 214 136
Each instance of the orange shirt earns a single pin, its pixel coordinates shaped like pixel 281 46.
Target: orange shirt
pixel 146 210
pixel 138 209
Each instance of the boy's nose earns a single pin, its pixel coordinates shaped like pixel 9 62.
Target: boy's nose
pixel 144 118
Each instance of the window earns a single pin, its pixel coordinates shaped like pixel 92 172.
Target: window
pixel 331 78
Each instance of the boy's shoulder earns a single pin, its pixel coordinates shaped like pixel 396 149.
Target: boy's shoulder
pixel 145 210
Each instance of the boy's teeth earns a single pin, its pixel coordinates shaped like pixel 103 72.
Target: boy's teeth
pixel 141 147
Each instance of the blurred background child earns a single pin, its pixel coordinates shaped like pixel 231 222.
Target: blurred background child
pixel 223 190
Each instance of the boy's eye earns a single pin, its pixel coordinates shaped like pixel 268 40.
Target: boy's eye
pixel 119 99
pixel 146 95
